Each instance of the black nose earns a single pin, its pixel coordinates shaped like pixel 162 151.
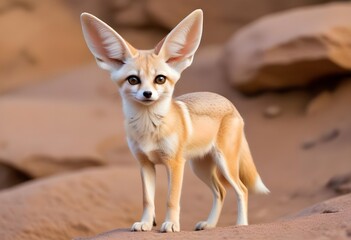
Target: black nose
pixel 147 94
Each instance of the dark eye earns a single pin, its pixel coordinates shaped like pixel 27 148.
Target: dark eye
pixel 133 80
pixel 160 79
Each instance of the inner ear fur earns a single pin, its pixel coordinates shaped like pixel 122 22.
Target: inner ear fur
pixel 107 46
pixel 179 46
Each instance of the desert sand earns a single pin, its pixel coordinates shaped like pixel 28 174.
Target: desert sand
pixel 66 171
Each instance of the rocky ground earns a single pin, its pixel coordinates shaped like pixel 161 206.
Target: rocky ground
pixel 66 171
pixel 326 220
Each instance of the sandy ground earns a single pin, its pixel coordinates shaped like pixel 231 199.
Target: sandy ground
pixel 314 223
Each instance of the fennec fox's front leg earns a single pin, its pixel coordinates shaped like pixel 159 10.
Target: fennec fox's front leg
pixel 148 176
pixel 175 171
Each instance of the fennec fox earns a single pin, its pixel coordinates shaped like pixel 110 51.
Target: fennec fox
pixel 201 127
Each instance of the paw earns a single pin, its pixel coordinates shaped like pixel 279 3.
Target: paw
pixel 141 227
pixel 170 227
pixel 203 225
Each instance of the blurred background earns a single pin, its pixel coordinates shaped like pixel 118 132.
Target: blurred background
pixel 65 168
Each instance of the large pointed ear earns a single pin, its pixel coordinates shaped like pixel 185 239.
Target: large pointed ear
pixel 108 47
pixel 179 46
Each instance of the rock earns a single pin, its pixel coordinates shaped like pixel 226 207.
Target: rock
pixel 134 15
pixel 10 176
pixel 40 38
pixel 272 111
pixel 50 136
pixel 326 220
pixel 291 48
pixel 70 122
pixel 337 205
pixel 205 74
pixel 348 232
pixel 319 103
pixel 150 37
pixel 120 4
pixel 340 184
pixel 221 17
pixel 62 207
pixel 344 189
pixel 101 8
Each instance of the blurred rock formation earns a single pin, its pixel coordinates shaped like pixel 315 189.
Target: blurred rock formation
pixel 291 49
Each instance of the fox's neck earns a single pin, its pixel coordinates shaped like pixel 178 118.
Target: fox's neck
pixel 146 118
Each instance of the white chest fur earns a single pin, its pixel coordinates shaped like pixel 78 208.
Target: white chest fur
pixel 156 148
pixel 144 135
pixel 143 129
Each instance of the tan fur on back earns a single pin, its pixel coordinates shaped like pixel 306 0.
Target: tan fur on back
pixel 207 103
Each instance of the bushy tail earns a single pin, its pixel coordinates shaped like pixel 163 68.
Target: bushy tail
pixel 248 172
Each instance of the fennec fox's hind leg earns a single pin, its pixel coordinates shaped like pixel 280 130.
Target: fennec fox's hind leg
pixel 206 170
pixel 226 154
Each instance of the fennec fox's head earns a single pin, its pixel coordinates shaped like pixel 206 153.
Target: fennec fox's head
pixel 144 76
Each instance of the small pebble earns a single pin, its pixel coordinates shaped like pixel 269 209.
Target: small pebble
pixel 272 111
